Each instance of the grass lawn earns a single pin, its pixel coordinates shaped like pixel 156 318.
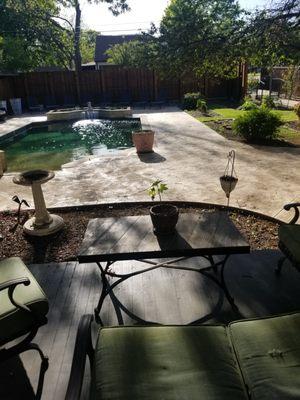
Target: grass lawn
pixel 221 112
pixel 232 113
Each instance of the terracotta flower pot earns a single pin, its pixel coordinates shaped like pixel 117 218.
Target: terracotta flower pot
pixel 143 141
pixel 228 183
pixel 164 218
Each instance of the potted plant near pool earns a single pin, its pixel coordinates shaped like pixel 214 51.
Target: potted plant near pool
pixel 164 216
pixel 143 141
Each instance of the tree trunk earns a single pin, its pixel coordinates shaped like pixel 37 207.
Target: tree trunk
pixel 77 53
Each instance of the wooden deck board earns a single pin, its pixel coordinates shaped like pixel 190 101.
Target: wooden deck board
pixel 178 297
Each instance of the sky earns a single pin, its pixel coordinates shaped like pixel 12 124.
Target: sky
pixel 142 12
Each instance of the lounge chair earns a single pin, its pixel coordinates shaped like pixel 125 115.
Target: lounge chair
pixel 289 239
pixel 256 358
pixel 23 310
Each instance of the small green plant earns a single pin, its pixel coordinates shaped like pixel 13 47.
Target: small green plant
pixel 258 124
pixel 248 105
pixel 190 101
pixel 157 188
pixel 201 105
pixel 268 102
pixel 297 110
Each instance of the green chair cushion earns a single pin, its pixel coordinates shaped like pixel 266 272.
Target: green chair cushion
pixel 165 363
pixel 268 351
pixel 289 236
pixel 13 321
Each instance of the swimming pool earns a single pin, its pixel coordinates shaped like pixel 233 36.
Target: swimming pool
pixel 51 146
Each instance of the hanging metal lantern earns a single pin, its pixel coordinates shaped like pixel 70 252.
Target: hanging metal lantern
pixel 229 179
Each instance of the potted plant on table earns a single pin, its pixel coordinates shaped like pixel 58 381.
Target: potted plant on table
pixel 143 141
pixel 164 216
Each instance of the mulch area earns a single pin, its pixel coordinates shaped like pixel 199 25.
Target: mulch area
pixel 224 127
pixel 260 233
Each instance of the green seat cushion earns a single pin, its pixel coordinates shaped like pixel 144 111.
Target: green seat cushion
pixel 14 321
pixel 268 351
pixel 165 363
pixel 289 236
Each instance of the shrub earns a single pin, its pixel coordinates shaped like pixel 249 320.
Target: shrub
pixel 201 105
pixel 297 110
pixel 248 105
pixel 258 124
pixel 190 101
pixel 268 102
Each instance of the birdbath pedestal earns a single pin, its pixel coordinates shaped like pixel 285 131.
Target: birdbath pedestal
pixel 43 223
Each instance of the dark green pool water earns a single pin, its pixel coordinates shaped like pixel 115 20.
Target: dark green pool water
pixel 54 145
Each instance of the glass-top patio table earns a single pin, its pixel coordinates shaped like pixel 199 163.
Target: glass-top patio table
pixel 209 234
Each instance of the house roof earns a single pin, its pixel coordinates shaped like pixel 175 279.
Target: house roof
pixel 104 42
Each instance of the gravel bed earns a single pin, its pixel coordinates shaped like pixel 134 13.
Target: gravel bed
pixel 260 233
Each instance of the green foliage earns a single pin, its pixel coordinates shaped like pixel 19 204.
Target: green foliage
pixel 190 101
pixel 202 106
pixel 253 82
pixel 31 37
pixel 272 35
pixel 193 37
pixel 136 53
pixel 201 37
pixel 87 45
pixel 258 124
pixel 297 110
pixel 248 105
pixel 291 82
pixel 268 102
pixel 33 33
pixel 157 188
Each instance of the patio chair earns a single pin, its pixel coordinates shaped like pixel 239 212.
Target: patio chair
pixel 289 239
pixel 23 309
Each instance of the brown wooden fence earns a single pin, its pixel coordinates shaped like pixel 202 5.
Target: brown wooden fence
pixel 112 84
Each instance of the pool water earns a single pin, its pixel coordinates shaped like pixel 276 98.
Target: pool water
pixel 54 145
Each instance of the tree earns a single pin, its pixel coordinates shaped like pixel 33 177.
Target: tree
pixel 272 36
pixel 115 6
pixel 291 81
pixel 30 37
pixel 87 45
pixel 194 36
pixel 136 53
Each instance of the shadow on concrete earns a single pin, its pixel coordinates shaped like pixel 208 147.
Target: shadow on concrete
pixel 151 158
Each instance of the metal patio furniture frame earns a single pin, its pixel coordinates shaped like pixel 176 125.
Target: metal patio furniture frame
pixel 287 254
pixel 29 332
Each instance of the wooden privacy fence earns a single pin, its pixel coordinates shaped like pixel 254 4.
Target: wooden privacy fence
pixel 112 84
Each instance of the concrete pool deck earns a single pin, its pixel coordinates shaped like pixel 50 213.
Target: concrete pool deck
pixel 189 156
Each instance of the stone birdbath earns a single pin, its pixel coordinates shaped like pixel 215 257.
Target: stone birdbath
pixel 43 223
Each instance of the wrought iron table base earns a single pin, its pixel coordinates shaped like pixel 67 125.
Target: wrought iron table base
pixel 107 288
